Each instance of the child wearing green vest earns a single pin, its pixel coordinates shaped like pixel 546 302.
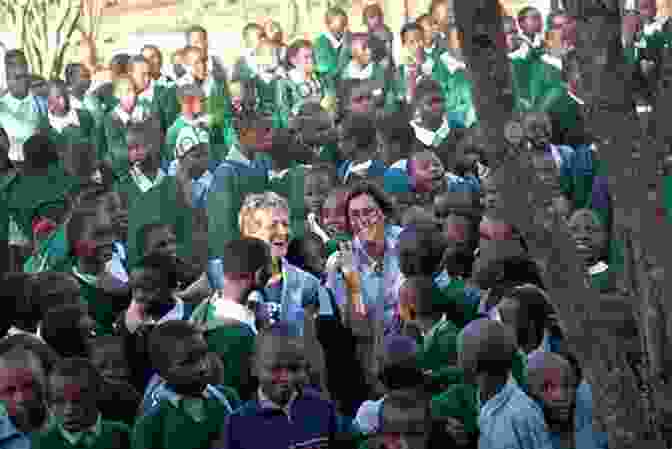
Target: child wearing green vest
pixel 190 413
pixel 74 387
pixel 193 117
pixel 228 317
pixel 362 66
pixel 70 126
pixel 303 83
pixel 217 97
pixel 21 114
pixel 154 96
pixel 127 113
pixel 332 48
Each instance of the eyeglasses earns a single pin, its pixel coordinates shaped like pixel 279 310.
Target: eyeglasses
pixel 362 214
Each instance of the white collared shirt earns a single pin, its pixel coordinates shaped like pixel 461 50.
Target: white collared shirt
pixel 354 71
pixel 425 135
pixel 142 181
pixel 333 41
pixel 60 123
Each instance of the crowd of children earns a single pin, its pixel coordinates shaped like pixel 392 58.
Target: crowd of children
pixel 302 251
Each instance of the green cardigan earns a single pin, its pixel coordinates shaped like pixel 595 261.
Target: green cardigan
pixel 170 427
pixel 330 62
pixel 219 145
pixel 114 435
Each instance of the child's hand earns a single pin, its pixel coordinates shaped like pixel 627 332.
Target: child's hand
pixel 135 315
pixel 456 430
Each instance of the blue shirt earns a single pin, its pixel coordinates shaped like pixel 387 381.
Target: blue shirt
pixel 10 437
pixel 511 420
pixel 585 436
pixel 309 422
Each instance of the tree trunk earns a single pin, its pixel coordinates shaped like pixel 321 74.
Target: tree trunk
pixel 617 397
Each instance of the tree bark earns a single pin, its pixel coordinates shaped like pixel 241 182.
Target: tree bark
pixel 618 401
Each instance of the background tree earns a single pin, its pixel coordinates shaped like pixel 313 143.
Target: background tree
pixel 44 30
pixel 629 403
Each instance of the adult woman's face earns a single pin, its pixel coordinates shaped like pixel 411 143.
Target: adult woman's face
pixel 333 214
pixel 366 217
pixel 271 226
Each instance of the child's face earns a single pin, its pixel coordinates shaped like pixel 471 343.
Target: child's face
pixel 192 105
pixel 81 80
pixel 361 52
pixel 360 101
pixel 21 384
pixel 112 207
pixel 125 92
pixel 547 171
pixel 589 235
pixel 141 75
pixel 413 40
pixel 458 229
pixel 253 37
pixel 648 8
pixel 336 25
pixel 374 21
pixel 137 153
pixel 147 288
pixel 196 160
pixel 511 35
pixel 428 171
pixel 405 427
pixel 110 360
pixel 538 132
pixel 281 368
pixel 430 110
pixel 72 401
pixel 316 189
pixel 304 59
pixel 161 240
pixel 188 365
pixel 429 27
pixel 155 61
pixel 57 101
pixel 199 65
pixel 272 226
pixel 18 81
pixel 333 214
pixel 532 23
pixel 558 392
pixel 259 137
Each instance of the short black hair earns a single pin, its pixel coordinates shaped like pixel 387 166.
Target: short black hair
pixel 164 336
pixel 194 29
pixel 80 226
pixel 15 56
pixel 60 330
pixel 190 90
pixel 426 293
pixel 30 344
pixel 335 11
pixel 150 47
pixel 57 83
pixel 535 310
pixel 53 289
pixel 163 264
pixel 407 28
pixel 15 294
pixel 527 11
pixel 120 63
pixel 280 330
pixel 40 151
pixel 251 26
pixel 374 191
pixel 78 368
pixel 421 250
pixel 245 255
pixel 361 129
pixel 400 369
pixel 488 346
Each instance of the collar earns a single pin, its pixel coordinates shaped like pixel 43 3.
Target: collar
pixel 357 168
pixel 192 406
pixel 91 434
pixel 15 103
pixel 148 94
pixel 536 42
pixel 267 404
pixel 598 268
pixel 175 398
pixel 89 279
pixel 333 41
pixel 76 103
pixel 142 181
pixel 186 79
pixel 137 115
pixel 236 155
pixel 316 228
pixel 452 63
pixel 223 308
pixel 432 331
pixel 176 313
pixel 552 60
pixel 431 138
pixel 298 76
pixel 359 73
pixel 571 95
pixel 60 123
pixel 490 407
pixel 201 119
pixel 655 26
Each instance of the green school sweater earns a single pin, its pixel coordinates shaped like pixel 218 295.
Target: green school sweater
pixel 101 306
pixel 330 61
pixel 439 352
pixel 165 103
pixel 86 132
pixel 456 88
pixel 171 427
pixel 218 105
pixel 218 141
pixel 232 341
pixel 114 435
pixel 452 300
